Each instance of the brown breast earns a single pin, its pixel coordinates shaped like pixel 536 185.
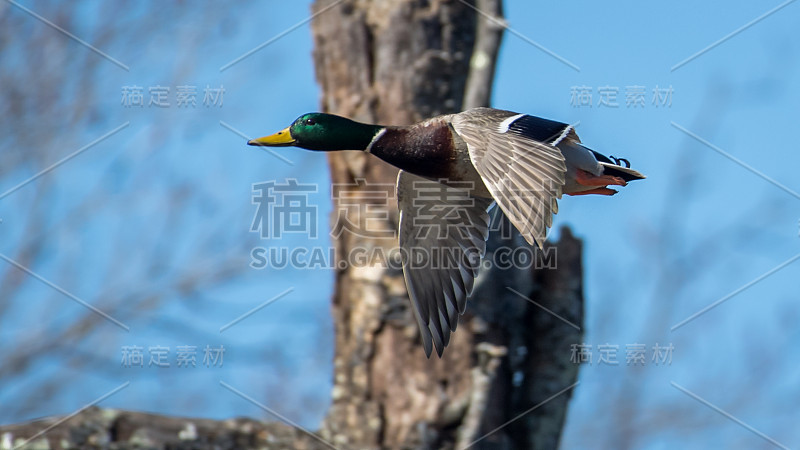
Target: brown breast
pixel 430 149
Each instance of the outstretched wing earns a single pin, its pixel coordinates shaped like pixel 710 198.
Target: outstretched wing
pixel 443 234
pixel 516 157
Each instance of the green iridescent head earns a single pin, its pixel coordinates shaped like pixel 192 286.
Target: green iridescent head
pixel 320 131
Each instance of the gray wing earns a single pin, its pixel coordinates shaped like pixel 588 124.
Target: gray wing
pixel 443 235
pixel 516 157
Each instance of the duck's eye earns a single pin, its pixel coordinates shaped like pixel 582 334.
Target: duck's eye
pixel 311 122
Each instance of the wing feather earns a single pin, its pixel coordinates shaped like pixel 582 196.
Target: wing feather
pixel 439 288
pixel 524 173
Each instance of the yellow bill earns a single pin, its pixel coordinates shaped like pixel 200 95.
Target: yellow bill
pixel 283 137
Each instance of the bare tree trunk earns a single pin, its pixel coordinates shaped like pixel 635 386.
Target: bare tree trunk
pixel 397 62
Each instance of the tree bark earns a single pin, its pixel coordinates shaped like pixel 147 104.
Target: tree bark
pixel 397 62
pixel 102 428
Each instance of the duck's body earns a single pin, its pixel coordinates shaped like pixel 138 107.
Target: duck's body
pixel 430 149
pixel 483 155
pixel 436 148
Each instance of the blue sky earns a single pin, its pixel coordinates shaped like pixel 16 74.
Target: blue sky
pixel 701 227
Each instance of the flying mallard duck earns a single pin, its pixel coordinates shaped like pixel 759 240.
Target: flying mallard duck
pixel 484 156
